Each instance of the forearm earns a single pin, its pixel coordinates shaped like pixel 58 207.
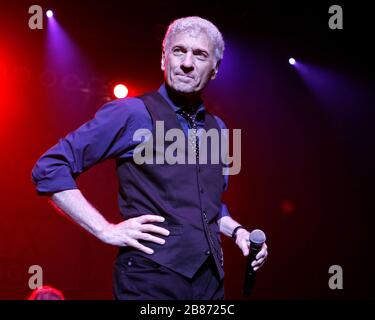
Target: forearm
pixel 227 225
pixel 74 205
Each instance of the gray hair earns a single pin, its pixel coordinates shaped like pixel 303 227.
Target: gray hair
pixel 196 24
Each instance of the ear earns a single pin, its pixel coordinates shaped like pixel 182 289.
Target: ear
pixel 215 70
pixel 163 61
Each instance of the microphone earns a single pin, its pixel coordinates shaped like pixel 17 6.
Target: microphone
pixel 257 238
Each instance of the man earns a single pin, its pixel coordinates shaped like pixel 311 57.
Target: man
pixel 170 245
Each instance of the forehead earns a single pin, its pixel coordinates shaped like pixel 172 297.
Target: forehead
pixel 192 40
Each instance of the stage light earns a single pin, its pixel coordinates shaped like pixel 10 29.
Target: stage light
pixel 49 13
pixel 287 207
pixel 292 61
pixel 120 91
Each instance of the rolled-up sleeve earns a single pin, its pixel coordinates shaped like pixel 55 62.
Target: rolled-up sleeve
pixel 98 139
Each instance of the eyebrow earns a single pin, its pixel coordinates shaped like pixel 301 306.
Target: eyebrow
pixel 195 50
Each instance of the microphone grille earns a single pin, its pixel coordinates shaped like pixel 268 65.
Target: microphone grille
pixel 257 236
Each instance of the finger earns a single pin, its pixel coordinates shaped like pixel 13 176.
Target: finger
pixel 150 218
pixel 259 262
pixel 149 237
pixel 155 229
pixel 261 254
pixel 258 266
pixel 244 247
pixel 135 244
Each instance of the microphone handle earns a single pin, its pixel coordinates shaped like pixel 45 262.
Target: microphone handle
pixel 250 273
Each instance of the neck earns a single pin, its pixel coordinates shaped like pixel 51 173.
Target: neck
pixel 191 101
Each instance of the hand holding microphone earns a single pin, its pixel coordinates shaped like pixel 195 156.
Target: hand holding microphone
pixel 252 245
pixel 257 239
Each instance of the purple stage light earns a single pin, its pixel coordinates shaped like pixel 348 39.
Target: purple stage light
pixel 292 61
pixel 49 13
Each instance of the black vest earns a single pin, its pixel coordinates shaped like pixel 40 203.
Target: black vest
pixel 187 195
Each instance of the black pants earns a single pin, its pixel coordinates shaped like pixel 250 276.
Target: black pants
pixel 139 278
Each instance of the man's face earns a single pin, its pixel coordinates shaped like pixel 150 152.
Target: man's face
pixel 189 63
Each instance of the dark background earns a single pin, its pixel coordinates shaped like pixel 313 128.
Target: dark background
pixel 307 155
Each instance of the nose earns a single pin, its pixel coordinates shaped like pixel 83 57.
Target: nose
pixel 187 63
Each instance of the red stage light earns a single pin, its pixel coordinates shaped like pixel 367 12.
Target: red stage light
pixel 120 91
pixel 287 207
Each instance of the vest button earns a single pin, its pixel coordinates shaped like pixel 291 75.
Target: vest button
pixel 208 252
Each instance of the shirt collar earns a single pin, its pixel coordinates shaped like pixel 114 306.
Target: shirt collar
pixel 164 93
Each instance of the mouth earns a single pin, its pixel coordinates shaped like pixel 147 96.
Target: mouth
pixel 185 76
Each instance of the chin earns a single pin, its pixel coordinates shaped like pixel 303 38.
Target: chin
pixel 184 89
